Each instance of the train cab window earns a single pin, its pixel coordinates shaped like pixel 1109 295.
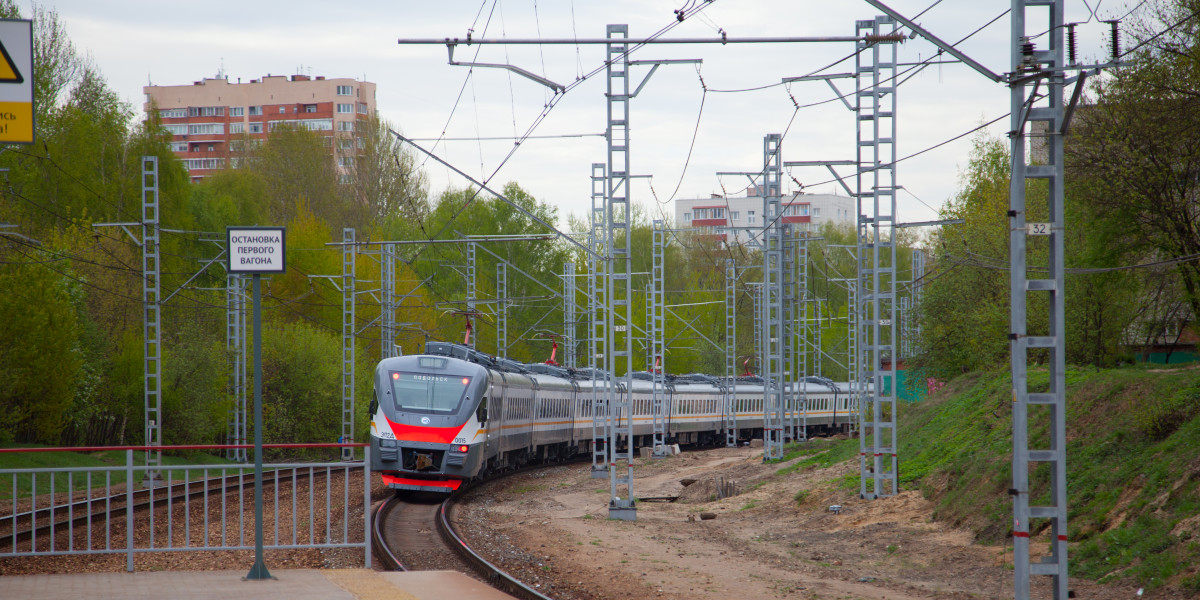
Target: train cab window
pixel 422 393
pixel 481 413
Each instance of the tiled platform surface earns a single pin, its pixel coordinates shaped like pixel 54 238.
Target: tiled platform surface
pixel 299 584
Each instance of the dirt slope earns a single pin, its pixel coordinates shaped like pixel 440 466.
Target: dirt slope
pixel 551 527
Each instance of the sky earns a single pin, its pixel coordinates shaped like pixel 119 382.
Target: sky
pixel 690 121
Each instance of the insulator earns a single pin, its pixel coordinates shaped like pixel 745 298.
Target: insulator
pixel 1116 40
pixel 1027 54
pixel 1071 43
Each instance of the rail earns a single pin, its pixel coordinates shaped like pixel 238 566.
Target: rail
pixel 101 510
pixel 494 575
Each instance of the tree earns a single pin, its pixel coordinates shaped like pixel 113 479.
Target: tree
pixel 385 181
pixel 1138 145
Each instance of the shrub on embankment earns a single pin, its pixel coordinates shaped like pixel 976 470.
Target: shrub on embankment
pixel 1133 467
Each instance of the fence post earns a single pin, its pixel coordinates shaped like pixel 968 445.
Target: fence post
pixel 129 510
pixel 367 505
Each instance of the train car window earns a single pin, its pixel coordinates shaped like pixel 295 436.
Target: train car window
pixel 422 393
pixel 482 412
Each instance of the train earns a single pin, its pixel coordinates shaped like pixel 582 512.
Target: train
pixel 455 414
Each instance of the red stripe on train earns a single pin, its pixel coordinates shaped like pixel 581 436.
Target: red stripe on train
pixel 448 484
pixel 424 433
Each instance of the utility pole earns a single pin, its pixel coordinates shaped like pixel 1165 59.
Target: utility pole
pixel 349 254
pixel 598 328
pixel 729 406
pixel 569 350
pixel 235 344
pixel 658 362
pixel 876 178
pixel 619 284
pixel 502 309
pixel 1045 70
pixel 151 315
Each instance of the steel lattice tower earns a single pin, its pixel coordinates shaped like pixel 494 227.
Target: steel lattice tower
pixel 598 327
pixel 471 289
pixel 772 303
pixel 805 332
pixel 876 177
pixel 657 364
pixel 387 301
pixel 1047 408
pixel 349 255
pixel 235 344
pixel 729 406
pixel 619 283
pixel 569 359
pixel 151 315
pixel 790 360
pixel 502 309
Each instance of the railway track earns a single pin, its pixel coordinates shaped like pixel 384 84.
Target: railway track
pixel 63 516
pixel 410 534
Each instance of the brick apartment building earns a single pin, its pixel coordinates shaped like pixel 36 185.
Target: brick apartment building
pixel 210 118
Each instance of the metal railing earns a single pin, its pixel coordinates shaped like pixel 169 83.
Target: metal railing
pixel 93 510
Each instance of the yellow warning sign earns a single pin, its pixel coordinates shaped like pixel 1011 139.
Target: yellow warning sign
pixel 8 71
pixel 16 121
pixel 16 82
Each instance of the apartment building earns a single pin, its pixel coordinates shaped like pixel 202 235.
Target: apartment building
pixel 723 216
pixel 211 117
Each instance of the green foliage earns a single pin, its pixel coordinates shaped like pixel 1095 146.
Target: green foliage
pixel 301 384
pixel 1130 486
pixel 40 359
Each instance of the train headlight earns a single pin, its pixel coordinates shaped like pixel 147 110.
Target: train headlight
pixel 463 449
pixel 387 443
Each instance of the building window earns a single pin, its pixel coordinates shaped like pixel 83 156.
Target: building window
pixel 309 124
pixel 176 129
pixel 345 178
pixel 179 146
pixel 345 90
pixel 236 111
pixel 362 108
pixel 255 111
pixel 687 216
pixel 256 128
pixel 206 129
pixel 750 218
pixel 210 147
pixel 345 109
pixel 206 111
pixel 346 144
pixel 345 161
pixel 237 128
pixel 282 110
pixel 193 164
pixel 733 214
pixel 816 212
pixel 310 108
pixel 345 126
pixel 172 113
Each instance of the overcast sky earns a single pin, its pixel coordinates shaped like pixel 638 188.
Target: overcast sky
pixel 173 43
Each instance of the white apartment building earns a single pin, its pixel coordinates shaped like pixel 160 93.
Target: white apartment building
pixel 808 212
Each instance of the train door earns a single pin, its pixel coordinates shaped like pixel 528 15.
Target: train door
pixel 495 414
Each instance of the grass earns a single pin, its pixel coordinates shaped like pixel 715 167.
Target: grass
pixel 801 496
pixel 1132 473
pixel 82 461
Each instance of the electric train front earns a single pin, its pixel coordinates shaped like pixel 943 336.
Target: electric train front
pixel 426 434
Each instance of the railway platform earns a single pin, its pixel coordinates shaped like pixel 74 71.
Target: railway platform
pixel 289 584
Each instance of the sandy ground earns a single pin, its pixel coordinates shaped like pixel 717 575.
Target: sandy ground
pixel 550 528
